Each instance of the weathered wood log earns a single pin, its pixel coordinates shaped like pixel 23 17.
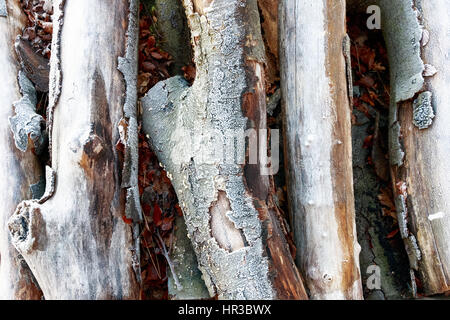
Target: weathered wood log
pixel 419 133
pixel 20 170
pixel 318 142
pixel 416 40
pixel 74 238
pixel 377 249
pixel 230 216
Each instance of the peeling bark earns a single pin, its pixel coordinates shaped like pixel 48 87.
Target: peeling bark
pixel 75 239
pixel 318 134
pixel 416 34
pixel 188 128
pixel 269 26
pixel 420 136
pixel 19 169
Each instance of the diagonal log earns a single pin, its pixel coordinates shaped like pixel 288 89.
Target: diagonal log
pixel 230 216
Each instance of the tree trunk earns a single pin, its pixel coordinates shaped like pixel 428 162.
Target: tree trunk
pixel 419 136
pixel 416 34
pixel 319 150
pixel 20 170
pixel 230 216
pixel 74 238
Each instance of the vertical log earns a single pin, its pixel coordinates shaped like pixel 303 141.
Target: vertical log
pixel 419 136
pixel 318 135
pixel 75 238
pixel 19 169
pixel 427 152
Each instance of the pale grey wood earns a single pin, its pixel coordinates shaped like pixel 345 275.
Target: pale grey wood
pixel 318 133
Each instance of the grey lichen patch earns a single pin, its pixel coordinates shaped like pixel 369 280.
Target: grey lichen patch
pixel 26 124
pixel 181 121
pixel 400 205
pixel 413 251
pixel 133 209
pixel 423 113
pixel 128 126
pixel 404 47
pixel 3 10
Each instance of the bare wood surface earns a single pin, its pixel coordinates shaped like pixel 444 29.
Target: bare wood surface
pixel 318 133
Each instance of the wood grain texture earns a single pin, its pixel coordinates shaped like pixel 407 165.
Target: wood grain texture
pixel 77 243
pixel 33 64
pixel 318 134
pixel 426 169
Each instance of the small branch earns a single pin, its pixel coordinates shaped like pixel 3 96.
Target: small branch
pixel 169 261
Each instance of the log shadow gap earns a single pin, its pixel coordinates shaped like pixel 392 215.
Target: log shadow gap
pixel 378 233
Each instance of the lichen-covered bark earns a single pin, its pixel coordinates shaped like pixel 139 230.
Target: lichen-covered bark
pixel 318 137
pixel 19 169
pixel 246 257
pixel 419 136
pixel 74 238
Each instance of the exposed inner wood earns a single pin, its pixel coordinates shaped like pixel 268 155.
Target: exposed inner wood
pixel 222 228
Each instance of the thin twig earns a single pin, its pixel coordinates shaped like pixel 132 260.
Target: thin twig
pixel 169 261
